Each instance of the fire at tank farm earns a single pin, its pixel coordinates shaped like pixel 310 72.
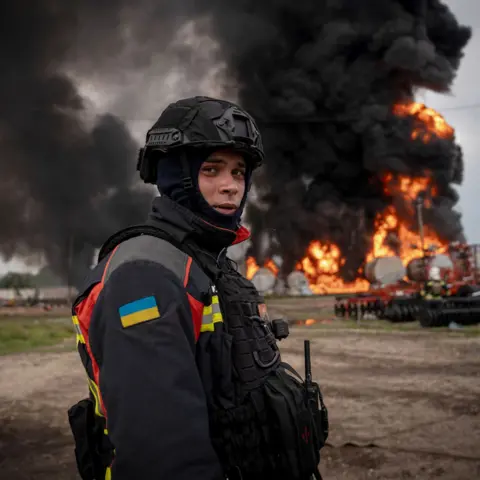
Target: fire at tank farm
pixel 412 271
pixel 357 196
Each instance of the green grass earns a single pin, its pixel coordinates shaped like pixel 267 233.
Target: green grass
pixel 371 326
pixel 24 333
pixel 20 334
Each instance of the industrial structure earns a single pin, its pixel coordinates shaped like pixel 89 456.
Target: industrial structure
pixel 438 289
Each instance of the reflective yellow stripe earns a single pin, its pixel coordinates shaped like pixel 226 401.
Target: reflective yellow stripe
pixel 209 327
pixel 80 337
pixel 211 314
pixel 99 411
pixel 217 313
pixel 96 394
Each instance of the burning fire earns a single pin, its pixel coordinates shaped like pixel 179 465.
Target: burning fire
pixel 322 262
pixel 252 267
pixel 430 122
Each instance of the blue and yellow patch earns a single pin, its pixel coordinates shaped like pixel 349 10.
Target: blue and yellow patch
pixel 139 311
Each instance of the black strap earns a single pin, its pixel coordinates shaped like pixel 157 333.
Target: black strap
pixel 288 367
pixel 207 261
pixel 187 181
pixel 128 233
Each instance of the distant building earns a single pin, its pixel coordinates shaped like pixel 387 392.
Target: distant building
pixel 32 296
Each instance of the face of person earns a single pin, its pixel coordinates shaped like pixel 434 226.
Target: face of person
pixel 221 181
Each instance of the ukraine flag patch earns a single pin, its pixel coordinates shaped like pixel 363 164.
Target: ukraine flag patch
pixel 139 311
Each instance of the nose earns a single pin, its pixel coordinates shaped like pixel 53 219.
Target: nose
pixel 229 185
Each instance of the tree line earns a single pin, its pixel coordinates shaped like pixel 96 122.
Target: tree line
pixel 18 280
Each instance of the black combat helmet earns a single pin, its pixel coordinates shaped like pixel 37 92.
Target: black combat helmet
pixel 199 123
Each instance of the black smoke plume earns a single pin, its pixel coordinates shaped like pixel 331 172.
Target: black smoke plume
pixel 65 184
pixel 320 76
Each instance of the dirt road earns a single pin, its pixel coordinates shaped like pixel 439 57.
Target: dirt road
pixel 402 405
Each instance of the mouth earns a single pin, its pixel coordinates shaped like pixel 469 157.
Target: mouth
pixel 226 208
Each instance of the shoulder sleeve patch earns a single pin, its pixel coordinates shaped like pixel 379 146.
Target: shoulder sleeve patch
pixel 139 311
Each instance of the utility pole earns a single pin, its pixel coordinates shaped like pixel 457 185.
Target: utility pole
pixel 419 207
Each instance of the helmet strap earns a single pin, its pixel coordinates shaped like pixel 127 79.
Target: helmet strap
pixel 187 181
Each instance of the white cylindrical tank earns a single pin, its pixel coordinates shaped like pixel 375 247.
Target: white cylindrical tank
pixel 385 270
pixel 416 270
pixel 264 280
pixel 298 284
pixel 418 267
pixel 238 252
pixel 441 261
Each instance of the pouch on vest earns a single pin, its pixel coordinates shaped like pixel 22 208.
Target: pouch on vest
pixel 91 452
pixel 297 431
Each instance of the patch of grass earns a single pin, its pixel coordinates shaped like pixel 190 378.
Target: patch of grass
pixel 21 334
pixel 372 326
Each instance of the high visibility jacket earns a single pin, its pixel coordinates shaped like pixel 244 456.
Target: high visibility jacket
pixel 435 289
pixel 170 381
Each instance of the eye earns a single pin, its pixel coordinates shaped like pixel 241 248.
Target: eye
pixel 238 173
pixel 209 170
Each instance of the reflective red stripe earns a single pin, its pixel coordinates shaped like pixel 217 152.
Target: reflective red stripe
pixel 108 263
pixel 242 233
pixel 84 312
pixel 187 271
pixel 196 307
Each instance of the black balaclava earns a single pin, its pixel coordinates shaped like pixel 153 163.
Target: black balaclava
pixel 169 183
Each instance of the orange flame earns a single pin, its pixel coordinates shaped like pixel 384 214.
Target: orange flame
pixel 322 263
pixel 253 267
pixel 270 264
pixel 430 121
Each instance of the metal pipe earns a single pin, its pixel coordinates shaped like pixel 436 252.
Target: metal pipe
pixel 419 206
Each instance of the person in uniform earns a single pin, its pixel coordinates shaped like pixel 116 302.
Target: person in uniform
pixel 435 287
pixel 185 375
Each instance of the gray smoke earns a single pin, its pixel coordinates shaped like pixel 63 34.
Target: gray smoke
pixel 65 185
pixel 320 76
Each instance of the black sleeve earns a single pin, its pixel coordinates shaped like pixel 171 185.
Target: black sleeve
pixel 155 404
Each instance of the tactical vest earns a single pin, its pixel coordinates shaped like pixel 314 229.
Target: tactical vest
pixel 264 423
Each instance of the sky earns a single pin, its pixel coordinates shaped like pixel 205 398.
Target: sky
pixel 465 93
pixel 461 110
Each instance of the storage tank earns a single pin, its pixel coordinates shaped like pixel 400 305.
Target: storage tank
pixel 264 280
pixel 385 270
pixel 441 261
pixel 418 267
pixel 298 284
pixel 238 253
pixel 416 270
